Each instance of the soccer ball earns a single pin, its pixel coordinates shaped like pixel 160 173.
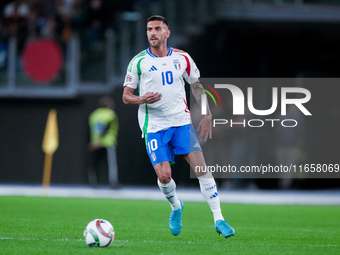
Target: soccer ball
pixel 99 233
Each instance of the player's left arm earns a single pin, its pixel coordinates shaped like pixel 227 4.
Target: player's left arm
pixel 205 125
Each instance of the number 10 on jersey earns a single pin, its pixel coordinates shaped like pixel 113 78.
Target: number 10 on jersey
pixel 167 78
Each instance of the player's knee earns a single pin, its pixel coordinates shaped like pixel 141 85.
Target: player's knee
pixel 164 178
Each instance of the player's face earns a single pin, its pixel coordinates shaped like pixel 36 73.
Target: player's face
pixel 157 33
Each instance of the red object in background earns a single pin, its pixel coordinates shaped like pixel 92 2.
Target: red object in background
pixel 42 60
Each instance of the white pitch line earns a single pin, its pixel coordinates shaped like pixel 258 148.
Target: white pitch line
pixel 186 194
pixel 161 242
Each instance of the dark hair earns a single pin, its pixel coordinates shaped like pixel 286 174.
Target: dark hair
pixel 106 102
pixel 158 17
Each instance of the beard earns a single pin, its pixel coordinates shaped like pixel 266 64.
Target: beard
pixel 156 43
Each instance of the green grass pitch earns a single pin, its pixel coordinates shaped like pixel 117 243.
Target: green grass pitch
pixel 38 225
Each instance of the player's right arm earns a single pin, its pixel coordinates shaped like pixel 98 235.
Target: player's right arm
pixel 149 97
pixel 132 80
pixel 130 98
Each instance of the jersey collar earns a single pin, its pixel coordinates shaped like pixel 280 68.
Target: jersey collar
pixel 154 56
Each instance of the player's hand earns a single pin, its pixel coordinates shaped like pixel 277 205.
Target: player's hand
pixel 152 97
pixel 205 127
pixel 94 146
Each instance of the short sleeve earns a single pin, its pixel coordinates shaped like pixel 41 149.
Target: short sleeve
pixel 191 74
pixel 131 78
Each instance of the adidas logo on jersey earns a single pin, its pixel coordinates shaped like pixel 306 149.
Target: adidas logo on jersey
pixel 197 145
pixel 153 68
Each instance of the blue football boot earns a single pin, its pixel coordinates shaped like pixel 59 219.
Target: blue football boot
pixel 175 221
pixel 224 229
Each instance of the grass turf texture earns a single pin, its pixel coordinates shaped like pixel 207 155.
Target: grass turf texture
pixel 36 225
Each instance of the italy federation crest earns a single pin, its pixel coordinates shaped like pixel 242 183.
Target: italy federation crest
pixel 177 64
pixel 153 156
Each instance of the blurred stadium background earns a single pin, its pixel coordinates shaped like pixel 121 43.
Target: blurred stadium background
pixel 226 38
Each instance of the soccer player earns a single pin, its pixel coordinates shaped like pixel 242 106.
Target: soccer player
pixel 165 119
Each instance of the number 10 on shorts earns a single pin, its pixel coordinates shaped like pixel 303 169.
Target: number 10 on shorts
pixel 152 145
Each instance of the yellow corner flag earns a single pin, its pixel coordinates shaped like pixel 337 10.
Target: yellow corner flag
pixel 51 137
pixel 50 145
